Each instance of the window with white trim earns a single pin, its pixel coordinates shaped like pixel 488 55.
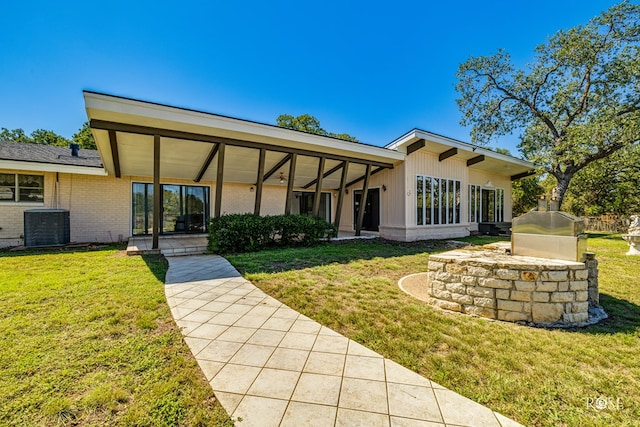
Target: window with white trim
pixel 16 187
pixel 437 200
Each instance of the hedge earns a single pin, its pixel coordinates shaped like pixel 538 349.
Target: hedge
pixel 235 233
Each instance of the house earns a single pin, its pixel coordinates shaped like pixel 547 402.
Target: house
pixel 193 165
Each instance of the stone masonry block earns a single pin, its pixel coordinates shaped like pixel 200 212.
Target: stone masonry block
pixel 575 317
pixel 563 286
pixel 455 268
pixel 520 296
pixel 457 288
pixel 436 266
pixel 581 274
pixel 480 311
pixel 468 280
pixel 547 312
pixel 461 298
pixel 547 286
pixel 437 285
pixel 478 291
pixel 448 305
pixel 502 293
pixel 578 285
pixel 529 276
pixel 563 297
pixel 524 286
pixel 443 295
pixel 510 305
pixel 554 276
pixel 484 302
pixel 506 274
pixel 513 316
pixel 448 277
pixel 478 271
pixel 579 307
pixel 582 296
pixel 490 282
pixel 541 296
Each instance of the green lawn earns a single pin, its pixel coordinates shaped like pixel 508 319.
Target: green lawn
pixel 86 338
pixel 539 377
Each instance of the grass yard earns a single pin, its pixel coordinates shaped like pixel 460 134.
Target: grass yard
pixel 86 338
pixel 539 377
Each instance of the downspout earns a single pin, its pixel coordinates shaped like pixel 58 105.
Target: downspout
pixel 56 192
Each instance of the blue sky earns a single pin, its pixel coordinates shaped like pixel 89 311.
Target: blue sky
pixel 372 69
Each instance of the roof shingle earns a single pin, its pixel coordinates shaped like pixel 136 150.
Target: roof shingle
pixel 39 153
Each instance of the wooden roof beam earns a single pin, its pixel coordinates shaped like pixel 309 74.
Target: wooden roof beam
pixel 475 160
pixel 446 154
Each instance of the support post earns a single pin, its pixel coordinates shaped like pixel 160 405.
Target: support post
pixel 259 182
pixel 318 194
pixel 156 193
pixel 363 200
pixel 219 179
pixel 292 171
pixel 343 182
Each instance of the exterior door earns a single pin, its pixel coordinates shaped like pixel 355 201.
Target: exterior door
pixel 371 219
pixel 488 205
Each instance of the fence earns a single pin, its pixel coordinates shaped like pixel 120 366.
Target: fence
pixel 607 223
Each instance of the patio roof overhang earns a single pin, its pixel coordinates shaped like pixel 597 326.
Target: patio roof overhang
pixel 476 157
pixel 124 131
pixel 138 138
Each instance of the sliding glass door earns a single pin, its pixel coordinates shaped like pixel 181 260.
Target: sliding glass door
pixel 185 208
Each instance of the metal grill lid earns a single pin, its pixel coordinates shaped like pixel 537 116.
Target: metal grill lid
pixel 554 223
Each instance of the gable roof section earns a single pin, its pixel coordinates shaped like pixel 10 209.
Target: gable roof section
pixel 476 157
pixel 46 158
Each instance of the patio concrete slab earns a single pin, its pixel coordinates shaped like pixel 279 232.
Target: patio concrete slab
pixel 269 365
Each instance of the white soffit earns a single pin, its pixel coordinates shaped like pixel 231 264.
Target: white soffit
pixel 121 110
pixel 493 162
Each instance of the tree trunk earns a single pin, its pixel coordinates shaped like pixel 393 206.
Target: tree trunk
pixel 563 184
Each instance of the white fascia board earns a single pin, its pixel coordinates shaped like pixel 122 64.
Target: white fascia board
pixel 51 167
pixel 150 112
pixel 417 134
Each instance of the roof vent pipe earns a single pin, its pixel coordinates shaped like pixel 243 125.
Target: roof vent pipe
pixel 75 148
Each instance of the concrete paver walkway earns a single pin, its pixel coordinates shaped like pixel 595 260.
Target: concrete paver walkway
pixel 272 366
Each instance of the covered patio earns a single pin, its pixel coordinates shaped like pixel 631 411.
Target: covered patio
pixel 159 142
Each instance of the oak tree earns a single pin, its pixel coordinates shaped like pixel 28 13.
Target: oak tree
pixel 577 102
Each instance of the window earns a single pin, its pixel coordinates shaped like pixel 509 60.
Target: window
pixel 21 188
pixel 474 203
pixel 184 208
pixel 437 201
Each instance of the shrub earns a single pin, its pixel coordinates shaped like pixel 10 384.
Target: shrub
pixel 235 233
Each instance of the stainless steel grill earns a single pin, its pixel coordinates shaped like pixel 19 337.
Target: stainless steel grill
pixel 553 234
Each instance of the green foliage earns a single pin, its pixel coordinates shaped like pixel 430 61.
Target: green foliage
pixel 310 124
pixel 14 135
pixel 577 102
pixel 235 233
pixel 607 186
pixel 526 192
pixel 38 136
pixel 84 137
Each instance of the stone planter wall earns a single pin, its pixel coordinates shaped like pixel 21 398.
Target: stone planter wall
pixel 512 288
